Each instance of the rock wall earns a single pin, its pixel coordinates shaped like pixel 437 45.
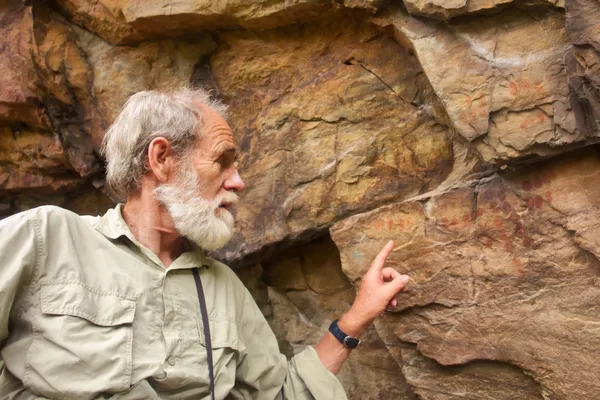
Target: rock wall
pixel 465 130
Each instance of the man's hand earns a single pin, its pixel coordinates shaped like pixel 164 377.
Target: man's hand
pixel 377 292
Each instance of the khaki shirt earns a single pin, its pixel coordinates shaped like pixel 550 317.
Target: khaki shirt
pixel 86 311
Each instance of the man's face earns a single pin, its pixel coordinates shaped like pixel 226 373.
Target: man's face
pixel 215 158
pixel 204 187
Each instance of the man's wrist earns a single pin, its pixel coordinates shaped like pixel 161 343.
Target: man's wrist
pixel 353 325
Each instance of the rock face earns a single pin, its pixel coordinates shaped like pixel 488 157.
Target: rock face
pixel 465 130
pixel 18 99
pixel 130 21
pixel 62 87
pixel 505 94
pixel 504 269
pixel 365 141
pixel 27 158
pixel 120 71
pixel 447 9
pixel 583 63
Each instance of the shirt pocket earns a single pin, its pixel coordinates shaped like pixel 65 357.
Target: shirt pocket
pixel 226 343
pixel 82 342
pixel 223 333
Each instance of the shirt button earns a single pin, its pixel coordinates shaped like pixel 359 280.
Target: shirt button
pixel 172 360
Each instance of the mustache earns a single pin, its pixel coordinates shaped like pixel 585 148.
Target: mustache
pixel 227 197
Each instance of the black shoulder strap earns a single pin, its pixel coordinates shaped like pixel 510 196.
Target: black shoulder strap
pixel 206 329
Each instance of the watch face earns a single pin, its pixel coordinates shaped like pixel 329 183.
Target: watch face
pixel 351 342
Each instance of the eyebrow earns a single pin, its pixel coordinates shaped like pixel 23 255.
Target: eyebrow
pixel 227 148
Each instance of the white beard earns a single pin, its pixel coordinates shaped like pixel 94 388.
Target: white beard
pixel 194 217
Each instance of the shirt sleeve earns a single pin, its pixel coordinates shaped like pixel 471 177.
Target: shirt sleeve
pixel 307 375
pixel 264 373
pixel 18 248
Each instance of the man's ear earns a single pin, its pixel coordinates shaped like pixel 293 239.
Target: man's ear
pixel 160 159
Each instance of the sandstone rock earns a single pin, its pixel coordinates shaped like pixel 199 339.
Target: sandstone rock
pixel 582 22
pixel 89 201
pixel 479 380
pixel 17 202
pixel 583 63
pixel 32 160
pixel 446 9
pixel 65 80
pixel 82 82
pixel 18 98
pixel 322 267
pixel 503 92
pixel 288 275
pixel 369 5
pixel 87 80
pixel 43 72
pixel 315 266
pixel 503 269
pixel 13 179
pixel 85 199
pixel 32 151
pixel 330 120
pixel 104 18
pixel 205 15
pixel 130 21
pixel 120 71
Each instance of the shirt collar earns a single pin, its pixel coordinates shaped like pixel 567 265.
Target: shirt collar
pixel 113 226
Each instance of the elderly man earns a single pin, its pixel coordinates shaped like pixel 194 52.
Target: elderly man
pixel 128 305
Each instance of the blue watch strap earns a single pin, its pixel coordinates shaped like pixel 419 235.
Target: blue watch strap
pixel 348 341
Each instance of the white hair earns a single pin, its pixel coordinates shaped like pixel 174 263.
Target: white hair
pixel 175 115
pixel 197 219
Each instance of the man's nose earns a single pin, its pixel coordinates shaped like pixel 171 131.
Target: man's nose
pixel 234 182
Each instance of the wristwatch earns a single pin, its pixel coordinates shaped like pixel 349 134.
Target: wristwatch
pixel 348 341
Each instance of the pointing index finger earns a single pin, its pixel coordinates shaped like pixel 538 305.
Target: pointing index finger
pixel 379 261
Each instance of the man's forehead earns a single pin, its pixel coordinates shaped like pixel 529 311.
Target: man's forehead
pixel 209 113
pixel 216 129
pixel 219 139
